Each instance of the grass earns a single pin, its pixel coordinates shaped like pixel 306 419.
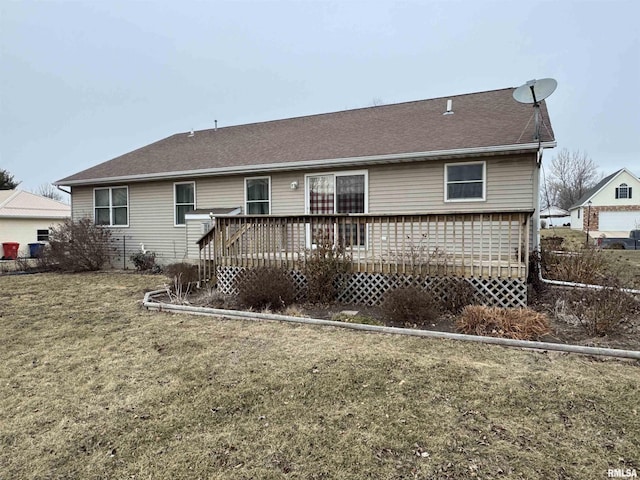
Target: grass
pixel 93 386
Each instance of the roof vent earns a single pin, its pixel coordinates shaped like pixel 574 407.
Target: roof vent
pixel 449 107
pixel 191 133
pixel 215 125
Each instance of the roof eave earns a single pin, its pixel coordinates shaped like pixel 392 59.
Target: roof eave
pixel 303 165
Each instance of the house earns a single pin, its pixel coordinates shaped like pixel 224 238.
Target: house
pixel 612 207
pixel 453 178
pixel 555 216
pixel 26 218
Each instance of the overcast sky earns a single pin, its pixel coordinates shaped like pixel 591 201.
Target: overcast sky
pixel 82 82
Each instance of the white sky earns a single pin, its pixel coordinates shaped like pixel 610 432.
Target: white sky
pixel 85 81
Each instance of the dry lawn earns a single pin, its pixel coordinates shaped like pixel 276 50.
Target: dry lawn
pixel 92 386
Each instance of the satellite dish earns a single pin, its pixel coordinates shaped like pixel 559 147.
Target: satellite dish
pixel 535 90
pixel 532 92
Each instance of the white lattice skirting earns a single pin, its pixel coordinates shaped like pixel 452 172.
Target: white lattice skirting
pixel 369 288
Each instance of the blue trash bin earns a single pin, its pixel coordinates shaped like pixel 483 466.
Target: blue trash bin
pixel 35 249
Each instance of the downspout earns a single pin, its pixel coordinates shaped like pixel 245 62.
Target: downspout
pixel 561 283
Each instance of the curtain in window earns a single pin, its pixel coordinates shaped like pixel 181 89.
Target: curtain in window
pixel 350 194
pixel 321 194
pixel 321 201
pixel 350 199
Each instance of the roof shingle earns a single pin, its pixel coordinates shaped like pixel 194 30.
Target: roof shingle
pixel 483 119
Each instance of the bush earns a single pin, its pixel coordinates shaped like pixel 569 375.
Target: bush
pixel 587 265
pixel 78 246
pixel 600 312
pixel 323 266
pixel 456 293
pixel 265 287
pixel 182 274
pixel 143 261
pixel 410 306
pixel 516 323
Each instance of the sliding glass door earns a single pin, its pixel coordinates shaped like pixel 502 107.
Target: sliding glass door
pixel 337 193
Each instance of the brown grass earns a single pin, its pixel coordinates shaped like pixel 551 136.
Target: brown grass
pixel 92 386
pixel 516 323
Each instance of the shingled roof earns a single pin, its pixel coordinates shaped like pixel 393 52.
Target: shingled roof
pixel 481 123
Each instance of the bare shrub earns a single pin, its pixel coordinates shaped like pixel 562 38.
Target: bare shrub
pixel 77 246
pixel 187 273
pixel 144 261
pixel 584 266
pixel 265 287
pixel 551 243
pixel 410 306
pixel 600 312
pixel 180 292
pixel 323 266
pixel 456 293
pixel 516 323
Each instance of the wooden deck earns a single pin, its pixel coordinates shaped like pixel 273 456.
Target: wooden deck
pixel 471 245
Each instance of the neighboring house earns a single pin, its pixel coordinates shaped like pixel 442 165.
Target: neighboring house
pixel 449 177
pixel 555 216
pixel 612 206
pixel 26 218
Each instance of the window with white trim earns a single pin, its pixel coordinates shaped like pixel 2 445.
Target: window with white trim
pixel 111 206
pixel 184 194
pixel 465 181
pixel 257 194
pixel 623 191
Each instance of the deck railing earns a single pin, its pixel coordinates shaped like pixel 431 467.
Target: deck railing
pixel 462 244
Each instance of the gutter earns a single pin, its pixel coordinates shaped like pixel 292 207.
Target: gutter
pixel 151 304
pixel 323 163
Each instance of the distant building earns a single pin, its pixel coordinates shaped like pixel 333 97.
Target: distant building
pixel 26 218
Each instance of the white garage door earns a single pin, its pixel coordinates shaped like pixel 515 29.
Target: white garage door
pixel 619 221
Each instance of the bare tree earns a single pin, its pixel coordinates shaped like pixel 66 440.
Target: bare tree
pixel 7 181
pixel 572 175
pixel 49 191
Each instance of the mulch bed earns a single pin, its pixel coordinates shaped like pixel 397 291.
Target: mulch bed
pixel 564 328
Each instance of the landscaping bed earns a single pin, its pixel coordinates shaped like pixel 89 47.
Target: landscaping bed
pixel 565 328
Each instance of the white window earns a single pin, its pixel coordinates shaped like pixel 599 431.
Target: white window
pixel 111 206
pixel 465 181
pixel 623 191
pixel 42 235
pixel 257 195
pixel 184 195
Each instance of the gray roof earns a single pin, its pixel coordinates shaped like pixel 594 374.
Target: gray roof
pixel 480 121
pixel 592 191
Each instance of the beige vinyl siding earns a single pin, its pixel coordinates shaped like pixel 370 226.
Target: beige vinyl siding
pixel 151 217
pixel 398 188
pixel 195 229
pixel 419 187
